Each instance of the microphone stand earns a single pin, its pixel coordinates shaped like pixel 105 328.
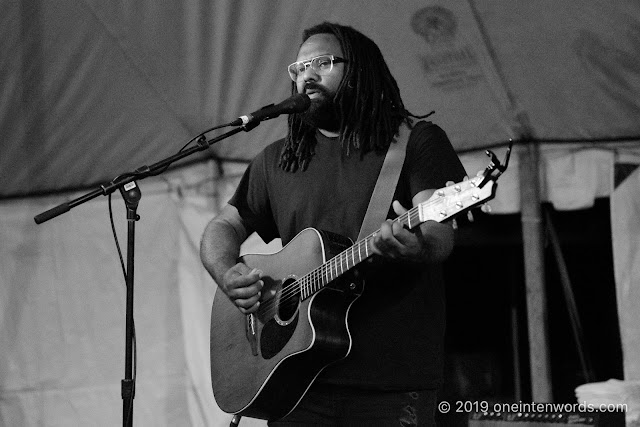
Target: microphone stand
pixel 131 195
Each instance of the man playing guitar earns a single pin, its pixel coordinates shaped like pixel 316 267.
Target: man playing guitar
pixel 390 324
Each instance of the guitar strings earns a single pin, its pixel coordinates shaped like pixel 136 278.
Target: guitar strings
pixel 326 270
pixel 305 284
pixel 321 276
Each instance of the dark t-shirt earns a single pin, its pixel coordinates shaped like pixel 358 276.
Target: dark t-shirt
pixel 397 325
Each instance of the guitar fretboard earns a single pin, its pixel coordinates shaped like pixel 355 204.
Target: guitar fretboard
pixel 445 203
pixel 320 277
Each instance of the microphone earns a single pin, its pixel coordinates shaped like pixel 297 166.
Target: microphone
pixel 295 104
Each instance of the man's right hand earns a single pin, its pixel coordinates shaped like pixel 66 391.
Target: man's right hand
pixel 243 287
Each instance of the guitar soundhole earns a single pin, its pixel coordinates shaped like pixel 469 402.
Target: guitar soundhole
pixel 288 301
pixel 278 331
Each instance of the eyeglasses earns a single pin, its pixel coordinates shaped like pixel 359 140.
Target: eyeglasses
pixel 321 65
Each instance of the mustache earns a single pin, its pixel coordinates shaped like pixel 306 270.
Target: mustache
pixel 317 87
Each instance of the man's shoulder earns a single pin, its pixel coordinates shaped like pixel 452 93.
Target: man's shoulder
pixel 426 129
pixel 276 145
pixel 272 150
pixel 426 135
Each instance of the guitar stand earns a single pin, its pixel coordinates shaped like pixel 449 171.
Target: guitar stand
pixel 235 421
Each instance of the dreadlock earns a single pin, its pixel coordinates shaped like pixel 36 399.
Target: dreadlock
pixel 368 102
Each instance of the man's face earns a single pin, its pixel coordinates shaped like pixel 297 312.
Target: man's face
pixel 316 45
pixel 321 89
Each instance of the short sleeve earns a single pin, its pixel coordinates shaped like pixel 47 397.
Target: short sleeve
pixel 251 198
pixel 432 161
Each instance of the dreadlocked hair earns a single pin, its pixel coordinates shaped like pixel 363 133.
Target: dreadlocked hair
pixel 368 102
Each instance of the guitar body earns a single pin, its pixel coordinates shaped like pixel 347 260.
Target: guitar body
pixel 262 365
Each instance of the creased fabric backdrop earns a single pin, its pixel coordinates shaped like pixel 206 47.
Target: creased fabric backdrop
pixel 62 306
pixel 91 89
pixel 62 296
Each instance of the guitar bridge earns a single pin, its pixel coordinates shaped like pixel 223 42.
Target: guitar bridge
pixel 252 335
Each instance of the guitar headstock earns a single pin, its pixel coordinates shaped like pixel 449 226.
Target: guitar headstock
pixel 455 199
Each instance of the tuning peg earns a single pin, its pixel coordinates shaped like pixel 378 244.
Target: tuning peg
pixel 486 208
pixel 454 224
pixel 470 216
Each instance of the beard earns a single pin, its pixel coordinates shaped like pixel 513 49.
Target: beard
pixel 323 112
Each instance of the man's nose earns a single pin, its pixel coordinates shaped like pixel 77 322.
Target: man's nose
pixel 309 74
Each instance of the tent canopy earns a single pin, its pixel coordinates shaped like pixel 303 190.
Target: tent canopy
pixel 90 90
pixel 93 89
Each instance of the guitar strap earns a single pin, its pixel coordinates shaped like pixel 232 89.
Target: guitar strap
pixel 386 184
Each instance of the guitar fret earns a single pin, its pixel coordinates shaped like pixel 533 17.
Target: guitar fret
pixel 339 264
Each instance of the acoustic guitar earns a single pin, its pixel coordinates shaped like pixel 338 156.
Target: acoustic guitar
pixel 262 364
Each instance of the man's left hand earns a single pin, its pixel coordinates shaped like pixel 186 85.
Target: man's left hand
pixel 396 242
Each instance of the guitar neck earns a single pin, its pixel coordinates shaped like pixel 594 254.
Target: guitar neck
pixel 444 204
pixel 347 259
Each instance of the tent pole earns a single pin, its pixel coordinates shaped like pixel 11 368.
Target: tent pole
pixel 533 250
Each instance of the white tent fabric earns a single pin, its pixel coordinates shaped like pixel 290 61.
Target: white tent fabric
pixel 63 310
pixel 62 298
pixel 625 210
pixel 93 89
